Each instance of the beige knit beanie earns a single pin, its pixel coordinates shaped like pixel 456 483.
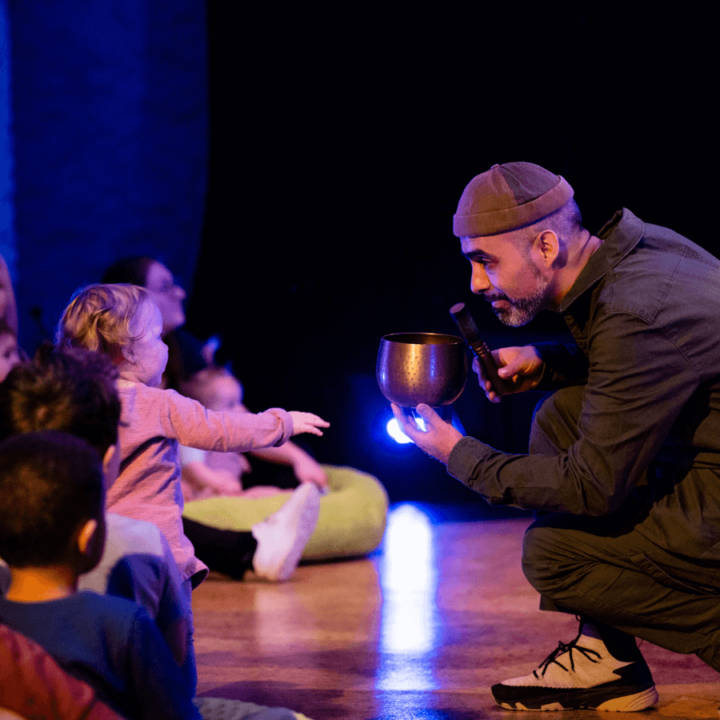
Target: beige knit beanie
pixel 507 197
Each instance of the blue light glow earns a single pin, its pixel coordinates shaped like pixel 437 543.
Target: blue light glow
pixel 394 431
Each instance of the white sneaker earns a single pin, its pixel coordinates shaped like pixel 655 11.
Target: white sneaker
pixel 581 674
pixel 282 537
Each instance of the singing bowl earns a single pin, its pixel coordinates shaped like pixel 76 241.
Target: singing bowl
pixel 414 368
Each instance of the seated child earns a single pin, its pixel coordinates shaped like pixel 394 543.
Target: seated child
pixel 353 507
pixel 211 474
pixel 52 529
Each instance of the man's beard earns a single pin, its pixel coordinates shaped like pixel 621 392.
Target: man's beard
pixel 523 310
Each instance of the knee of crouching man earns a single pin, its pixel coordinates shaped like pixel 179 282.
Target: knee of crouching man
pixel 541 561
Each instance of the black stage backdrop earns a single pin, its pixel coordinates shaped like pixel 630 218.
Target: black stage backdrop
pixel 341 141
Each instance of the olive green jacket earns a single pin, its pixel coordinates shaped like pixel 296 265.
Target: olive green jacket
pixel 645 314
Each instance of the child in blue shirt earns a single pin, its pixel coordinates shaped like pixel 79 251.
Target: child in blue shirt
pixel 52 529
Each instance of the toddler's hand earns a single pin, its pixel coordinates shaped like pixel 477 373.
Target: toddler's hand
pixel 307 423
pixel 307 469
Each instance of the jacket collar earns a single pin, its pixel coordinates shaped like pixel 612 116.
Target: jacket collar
pixel 619 236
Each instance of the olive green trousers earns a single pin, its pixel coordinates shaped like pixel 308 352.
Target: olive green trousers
pixel 615 568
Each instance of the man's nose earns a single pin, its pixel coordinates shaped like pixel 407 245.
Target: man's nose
pixel 179 292
pixel 479 282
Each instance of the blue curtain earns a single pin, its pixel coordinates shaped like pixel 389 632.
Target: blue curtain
pixel 109 109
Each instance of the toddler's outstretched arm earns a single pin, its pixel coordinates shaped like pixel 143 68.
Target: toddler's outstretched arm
pixel 307 423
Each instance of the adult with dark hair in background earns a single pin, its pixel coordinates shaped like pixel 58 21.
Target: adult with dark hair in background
pixel 186 353
pixel 624 455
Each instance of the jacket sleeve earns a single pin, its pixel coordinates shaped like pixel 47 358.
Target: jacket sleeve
pixel 638 382
pixel 564 365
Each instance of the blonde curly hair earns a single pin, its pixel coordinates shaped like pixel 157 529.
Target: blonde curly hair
pixel 99 317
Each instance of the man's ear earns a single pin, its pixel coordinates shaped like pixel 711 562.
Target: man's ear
pixel 547 247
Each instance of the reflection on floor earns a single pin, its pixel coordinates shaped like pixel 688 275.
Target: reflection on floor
pixel 420 630
pixel 409 624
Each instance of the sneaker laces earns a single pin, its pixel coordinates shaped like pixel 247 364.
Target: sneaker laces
pixel 567 648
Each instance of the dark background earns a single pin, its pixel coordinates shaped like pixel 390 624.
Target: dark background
pixel 341 143
pixel 297 168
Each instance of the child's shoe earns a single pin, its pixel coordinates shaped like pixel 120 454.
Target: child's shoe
pixel 582 674
pixel 281 538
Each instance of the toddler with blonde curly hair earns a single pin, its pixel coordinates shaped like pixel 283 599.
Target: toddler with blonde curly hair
pixel 123 322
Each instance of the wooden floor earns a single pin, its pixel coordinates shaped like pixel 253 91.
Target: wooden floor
pixel 419 630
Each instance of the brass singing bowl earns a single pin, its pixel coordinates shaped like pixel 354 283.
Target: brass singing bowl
pixel 414 368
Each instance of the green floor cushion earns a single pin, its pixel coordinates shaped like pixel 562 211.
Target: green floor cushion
pixel 352 515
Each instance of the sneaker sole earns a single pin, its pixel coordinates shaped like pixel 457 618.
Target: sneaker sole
pixel 588 700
